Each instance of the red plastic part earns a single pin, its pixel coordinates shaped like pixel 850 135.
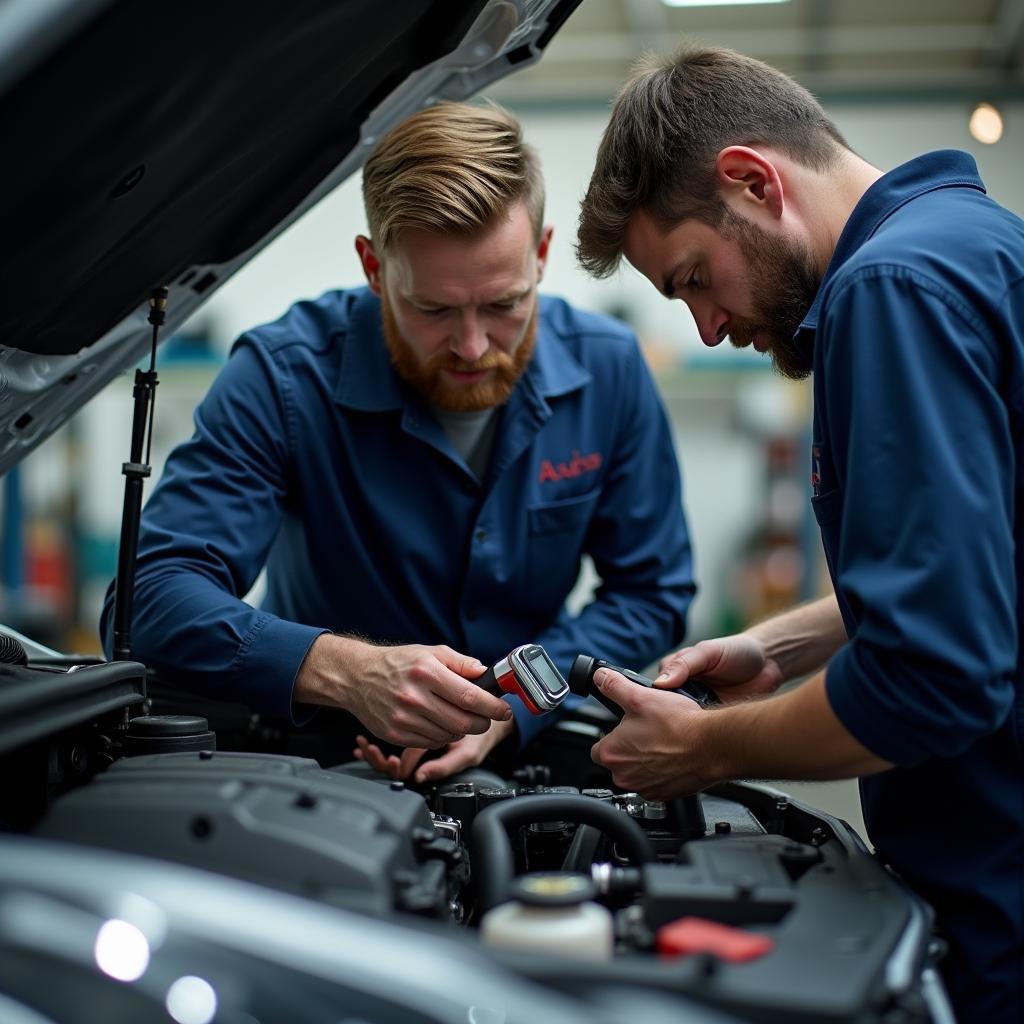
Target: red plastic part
pixel 509 684
pixel 691 935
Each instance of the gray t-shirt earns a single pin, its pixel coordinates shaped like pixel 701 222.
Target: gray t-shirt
pixel 472 434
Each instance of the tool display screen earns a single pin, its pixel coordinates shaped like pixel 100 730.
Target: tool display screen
pixel 544 671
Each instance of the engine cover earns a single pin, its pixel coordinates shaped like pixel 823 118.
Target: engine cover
pixel 276 820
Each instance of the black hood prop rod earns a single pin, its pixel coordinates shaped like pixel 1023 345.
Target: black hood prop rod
pixel 135 472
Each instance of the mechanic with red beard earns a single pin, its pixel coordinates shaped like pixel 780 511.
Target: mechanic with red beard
pixel 724 182
pixel 421 465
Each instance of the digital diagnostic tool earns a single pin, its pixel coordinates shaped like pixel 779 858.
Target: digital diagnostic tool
pixel 529 673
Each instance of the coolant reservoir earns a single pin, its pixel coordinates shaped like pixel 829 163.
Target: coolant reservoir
pixel 552 912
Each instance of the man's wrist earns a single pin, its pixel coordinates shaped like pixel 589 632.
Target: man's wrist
pixel 326 674
pixel 713 745
pixel 801 640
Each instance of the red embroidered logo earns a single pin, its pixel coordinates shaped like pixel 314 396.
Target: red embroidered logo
pixel 576 466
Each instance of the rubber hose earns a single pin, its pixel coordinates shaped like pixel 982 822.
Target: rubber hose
pixel 494 861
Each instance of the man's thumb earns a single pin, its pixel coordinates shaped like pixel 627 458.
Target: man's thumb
pixel 610 685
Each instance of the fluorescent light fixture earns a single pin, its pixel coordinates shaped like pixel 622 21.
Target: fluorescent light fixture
pixel 718 3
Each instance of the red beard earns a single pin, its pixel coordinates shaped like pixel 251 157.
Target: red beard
pixel 438 388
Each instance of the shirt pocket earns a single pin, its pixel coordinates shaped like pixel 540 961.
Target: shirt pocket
pixel 556 532
pixel 563 516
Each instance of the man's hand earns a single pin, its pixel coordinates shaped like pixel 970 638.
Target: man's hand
pixel 668 746
pixel 653 750
pixel 412 696
pixel 735 667
pixel 462 754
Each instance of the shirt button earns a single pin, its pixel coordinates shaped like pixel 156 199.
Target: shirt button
pixel 480 536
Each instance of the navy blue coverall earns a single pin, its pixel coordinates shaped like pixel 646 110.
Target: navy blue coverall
pixel 918 477
pixel 312 455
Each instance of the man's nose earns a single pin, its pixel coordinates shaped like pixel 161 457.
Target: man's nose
pixel 710 320
pixel 470 342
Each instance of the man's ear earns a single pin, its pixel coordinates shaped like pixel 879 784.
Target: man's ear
pixel 543 246
pixel 371 264
pixel 748 176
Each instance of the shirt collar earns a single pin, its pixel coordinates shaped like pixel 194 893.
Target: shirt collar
pixel 944 168
pixel 368 381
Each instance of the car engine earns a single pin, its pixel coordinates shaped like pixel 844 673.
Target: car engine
pixel 739 902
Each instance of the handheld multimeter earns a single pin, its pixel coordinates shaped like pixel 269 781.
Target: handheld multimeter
pixel 581 682
pixel 529 673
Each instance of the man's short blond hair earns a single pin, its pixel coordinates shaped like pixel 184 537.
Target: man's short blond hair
pixel 454 168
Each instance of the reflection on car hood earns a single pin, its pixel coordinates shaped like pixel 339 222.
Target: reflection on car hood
pixel 281 956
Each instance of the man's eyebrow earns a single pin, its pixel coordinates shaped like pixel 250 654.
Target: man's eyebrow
pixel 511 296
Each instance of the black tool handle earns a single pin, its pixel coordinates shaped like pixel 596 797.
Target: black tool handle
pixel 581 681
pixel 489 682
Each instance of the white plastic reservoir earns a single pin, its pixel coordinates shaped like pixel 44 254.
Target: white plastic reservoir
pixel 552 913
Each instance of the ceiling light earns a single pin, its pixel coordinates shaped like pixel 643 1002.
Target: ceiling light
pixel 986 123
pixel 121 950
pixel 191 1000
pixel 718 3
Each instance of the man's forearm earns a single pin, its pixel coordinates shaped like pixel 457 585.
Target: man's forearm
pixel 795 735
pixel 802 640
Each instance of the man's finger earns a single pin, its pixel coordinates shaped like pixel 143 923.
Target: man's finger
pixel 375 757
pixel 619 688
pixel 411 757
pixel 468 696
pixel 448 764
pixel 424 735
pixel 595 753
pixel 360 752
pixel 453 719
pixel 685 664
pixel 462 664
pixel 676 668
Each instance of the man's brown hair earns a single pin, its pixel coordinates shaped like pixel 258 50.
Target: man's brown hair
pixel 453 168
pixel 670 121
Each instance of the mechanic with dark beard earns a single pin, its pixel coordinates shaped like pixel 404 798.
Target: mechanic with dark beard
pixel 727 186
pixel 421 465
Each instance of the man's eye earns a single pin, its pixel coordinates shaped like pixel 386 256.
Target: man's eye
pixel 693 282
pixel 431 312
pixel 505 307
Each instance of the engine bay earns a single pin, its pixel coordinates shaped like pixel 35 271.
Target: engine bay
pixel 740 900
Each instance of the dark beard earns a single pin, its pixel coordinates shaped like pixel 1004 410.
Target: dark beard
pixel 785 285
pixel 428 380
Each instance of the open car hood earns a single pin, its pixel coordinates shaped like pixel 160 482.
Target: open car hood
pixel 153 145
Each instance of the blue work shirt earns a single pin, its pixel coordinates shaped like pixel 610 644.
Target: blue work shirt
pixel 312 456
pixel 918 476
